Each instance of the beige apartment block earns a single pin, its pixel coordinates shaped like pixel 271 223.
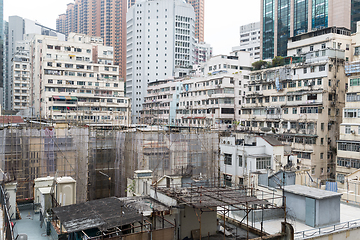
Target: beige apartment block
pixel 105 19
pixel 301 104
pixel 76 80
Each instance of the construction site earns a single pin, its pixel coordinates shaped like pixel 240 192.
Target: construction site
pixel 101 157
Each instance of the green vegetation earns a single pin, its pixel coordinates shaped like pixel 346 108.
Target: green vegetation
pixel 260 64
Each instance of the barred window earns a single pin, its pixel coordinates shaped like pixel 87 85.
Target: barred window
pixel 349 146
pixel 227 159
pixel 240 161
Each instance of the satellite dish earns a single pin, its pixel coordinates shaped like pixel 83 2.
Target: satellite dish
pixel 265 129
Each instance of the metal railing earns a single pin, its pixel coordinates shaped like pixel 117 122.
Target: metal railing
pixel 326 229
pixel 7 226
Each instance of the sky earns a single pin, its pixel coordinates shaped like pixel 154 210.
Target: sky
pixel 223 18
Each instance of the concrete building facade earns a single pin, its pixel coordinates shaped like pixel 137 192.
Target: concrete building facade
pixel 17 28
pixel 203 52
pixel 242 160
pixel 250 40
pixel 105 19
pixel 21 68
pixel 212 100
pixel 76 80
pixel 160 42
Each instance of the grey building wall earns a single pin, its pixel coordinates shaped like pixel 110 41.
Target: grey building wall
pixel 295 205
pixel 328 211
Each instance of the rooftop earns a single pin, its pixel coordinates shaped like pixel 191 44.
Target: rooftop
pixel 212 197
pixel 104 214
pixel 310 192
pixel 272 141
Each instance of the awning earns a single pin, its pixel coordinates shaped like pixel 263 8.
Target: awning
pixel 65 98
pixel 305 151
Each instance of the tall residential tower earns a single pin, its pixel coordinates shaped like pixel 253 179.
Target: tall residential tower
pixel 105 19
pixel 160 44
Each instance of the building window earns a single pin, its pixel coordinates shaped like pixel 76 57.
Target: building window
pixel 240 161
pixel 348 129
pixel 227 159
pixel 227 180
pixel 263 163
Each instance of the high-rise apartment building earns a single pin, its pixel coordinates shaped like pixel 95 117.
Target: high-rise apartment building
pixel 131 3
pixel 2 43
pixel 17 28
pixel 160 44
pixel 74 80
pixel 105 19
pixel 20 73
pixel 250 40
pixel 199 8
pixel 282 19
pixel 61 23
pixel 301 102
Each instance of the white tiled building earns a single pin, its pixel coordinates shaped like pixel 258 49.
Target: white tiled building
pixel 160 42
pixel 20 79
pixel 212 100
pixel 76 80
pixel 241 160
pixel 250 40
pixel 18 28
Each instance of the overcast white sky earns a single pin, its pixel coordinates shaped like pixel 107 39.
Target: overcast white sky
pixel 222 17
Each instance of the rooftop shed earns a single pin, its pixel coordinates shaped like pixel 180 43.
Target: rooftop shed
pixel 315 207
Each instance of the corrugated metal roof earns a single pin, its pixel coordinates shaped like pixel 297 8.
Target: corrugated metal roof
pixel 103 214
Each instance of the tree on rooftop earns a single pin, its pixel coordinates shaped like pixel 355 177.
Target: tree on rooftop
pixel 278 61
pixel 259 64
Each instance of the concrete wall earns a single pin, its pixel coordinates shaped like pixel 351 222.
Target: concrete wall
pixel 348 234
pixel 257 214
pixel 189 221
pixel 295 206
pixel 327 211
